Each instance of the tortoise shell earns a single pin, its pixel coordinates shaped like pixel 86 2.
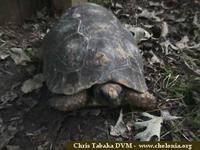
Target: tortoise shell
pixel 89 46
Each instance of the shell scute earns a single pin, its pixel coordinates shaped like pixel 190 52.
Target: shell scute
pixel 90 46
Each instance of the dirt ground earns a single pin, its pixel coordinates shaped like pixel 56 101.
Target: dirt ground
pixel 26 120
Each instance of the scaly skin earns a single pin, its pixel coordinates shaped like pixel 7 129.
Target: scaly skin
pixel 106 94
pixel 142 100
pixel 69 102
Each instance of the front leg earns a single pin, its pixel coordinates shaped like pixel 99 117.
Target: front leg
pixel 69 102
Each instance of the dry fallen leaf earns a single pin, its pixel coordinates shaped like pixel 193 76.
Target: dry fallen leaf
pixel 117 5
pixel 19 56
pixel 32 84
pixel 149 15
pixel 3 55
pixel 183 43
pixel 120 128
pixel 140 34
pixel 155 59
pixel 166 45
pixel 165 29
pixel 154 4
pixel 153 126
pixel 196 21
pixel 167 116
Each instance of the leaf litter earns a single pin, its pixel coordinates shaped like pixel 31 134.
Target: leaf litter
pixel 32 84
pixel 152 126
pixel 19 56
pixel 120 128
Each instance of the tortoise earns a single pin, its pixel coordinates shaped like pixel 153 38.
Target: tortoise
pixel 91 59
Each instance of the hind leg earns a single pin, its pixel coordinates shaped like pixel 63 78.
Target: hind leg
pixel 143 100
pixel 69 102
